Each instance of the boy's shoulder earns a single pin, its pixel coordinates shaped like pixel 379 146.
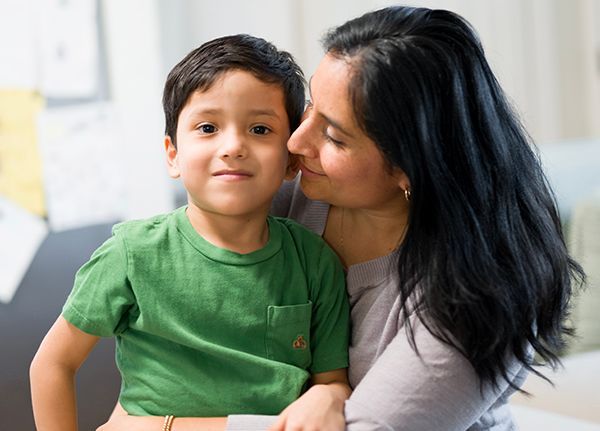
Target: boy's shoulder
pixel 296 229
pixel 146 230
pixel 302 238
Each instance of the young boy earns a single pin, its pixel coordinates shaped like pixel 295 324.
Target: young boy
pixel 216 307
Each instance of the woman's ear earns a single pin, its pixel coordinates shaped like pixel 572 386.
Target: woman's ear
pixel 292 167
pixel 402 178
pixel 172 162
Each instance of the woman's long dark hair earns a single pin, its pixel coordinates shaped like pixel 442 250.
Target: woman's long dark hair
pixel 484 246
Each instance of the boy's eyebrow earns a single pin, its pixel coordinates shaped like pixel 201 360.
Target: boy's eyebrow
pixel 203 111
pixel 334 123
pixel 268 112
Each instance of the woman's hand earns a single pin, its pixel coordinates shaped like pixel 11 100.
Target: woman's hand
pixel 320 408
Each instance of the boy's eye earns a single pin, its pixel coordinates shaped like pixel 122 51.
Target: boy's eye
pixel 260 130
pixel 207 128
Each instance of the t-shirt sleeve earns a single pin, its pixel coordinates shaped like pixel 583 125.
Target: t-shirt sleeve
pixel 437 390
pixel 330 330
pixel 101 295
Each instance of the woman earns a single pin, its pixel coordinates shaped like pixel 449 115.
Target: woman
pixel 416 171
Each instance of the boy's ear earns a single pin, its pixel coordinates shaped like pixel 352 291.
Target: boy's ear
pixel 292 167
pixel 172 162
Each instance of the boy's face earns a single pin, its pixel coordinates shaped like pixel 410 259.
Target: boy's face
pixel 231 145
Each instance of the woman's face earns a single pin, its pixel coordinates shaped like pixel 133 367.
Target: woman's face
pixel 339 163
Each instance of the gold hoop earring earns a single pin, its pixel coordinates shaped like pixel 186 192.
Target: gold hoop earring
pixel 407 195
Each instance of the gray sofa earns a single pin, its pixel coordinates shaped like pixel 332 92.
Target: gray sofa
pixel 24 322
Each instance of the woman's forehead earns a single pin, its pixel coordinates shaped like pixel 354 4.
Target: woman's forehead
pixel 329 92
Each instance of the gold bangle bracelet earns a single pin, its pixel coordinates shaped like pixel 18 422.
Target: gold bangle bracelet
pixel 168 423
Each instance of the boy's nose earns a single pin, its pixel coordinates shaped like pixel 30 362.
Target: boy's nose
pixel 233 147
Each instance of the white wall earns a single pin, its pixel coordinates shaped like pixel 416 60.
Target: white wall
pixel 132 31
pixel 543 51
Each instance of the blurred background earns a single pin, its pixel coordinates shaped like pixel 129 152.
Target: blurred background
pixel 81 132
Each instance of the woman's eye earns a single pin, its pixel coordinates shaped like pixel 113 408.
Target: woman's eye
pixel 260 130
pixel 207 128
pixel 307 108
pixel 334 141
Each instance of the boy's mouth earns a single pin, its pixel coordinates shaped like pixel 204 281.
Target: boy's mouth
pixel 232 174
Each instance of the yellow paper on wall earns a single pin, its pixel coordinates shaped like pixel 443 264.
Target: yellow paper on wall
pixel 20 161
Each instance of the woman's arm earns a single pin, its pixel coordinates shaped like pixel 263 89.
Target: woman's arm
pixel 438 390
pixel 121 421
pixel 321 407
pixel 52 375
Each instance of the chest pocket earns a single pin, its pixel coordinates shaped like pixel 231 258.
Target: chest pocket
pixel 288 334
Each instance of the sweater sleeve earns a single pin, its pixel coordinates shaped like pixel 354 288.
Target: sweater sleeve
pixel 249 422
pixel 436 390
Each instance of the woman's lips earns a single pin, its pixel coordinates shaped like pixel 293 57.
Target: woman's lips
pixel 309 172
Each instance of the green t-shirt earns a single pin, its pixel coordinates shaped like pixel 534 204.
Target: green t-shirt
pixel 204 331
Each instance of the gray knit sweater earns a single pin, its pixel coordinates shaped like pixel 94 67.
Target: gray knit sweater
pixel 394 388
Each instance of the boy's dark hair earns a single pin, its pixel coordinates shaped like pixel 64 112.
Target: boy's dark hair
pixel 205 64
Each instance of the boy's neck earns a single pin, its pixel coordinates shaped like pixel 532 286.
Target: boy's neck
pixel 242 234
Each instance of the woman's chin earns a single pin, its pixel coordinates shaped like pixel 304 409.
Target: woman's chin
pixel 312 189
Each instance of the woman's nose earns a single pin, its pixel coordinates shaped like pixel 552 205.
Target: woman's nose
pixel 302 140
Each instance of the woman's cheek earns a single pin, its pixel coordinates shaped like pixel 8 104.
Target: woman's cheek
pixel 334 164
